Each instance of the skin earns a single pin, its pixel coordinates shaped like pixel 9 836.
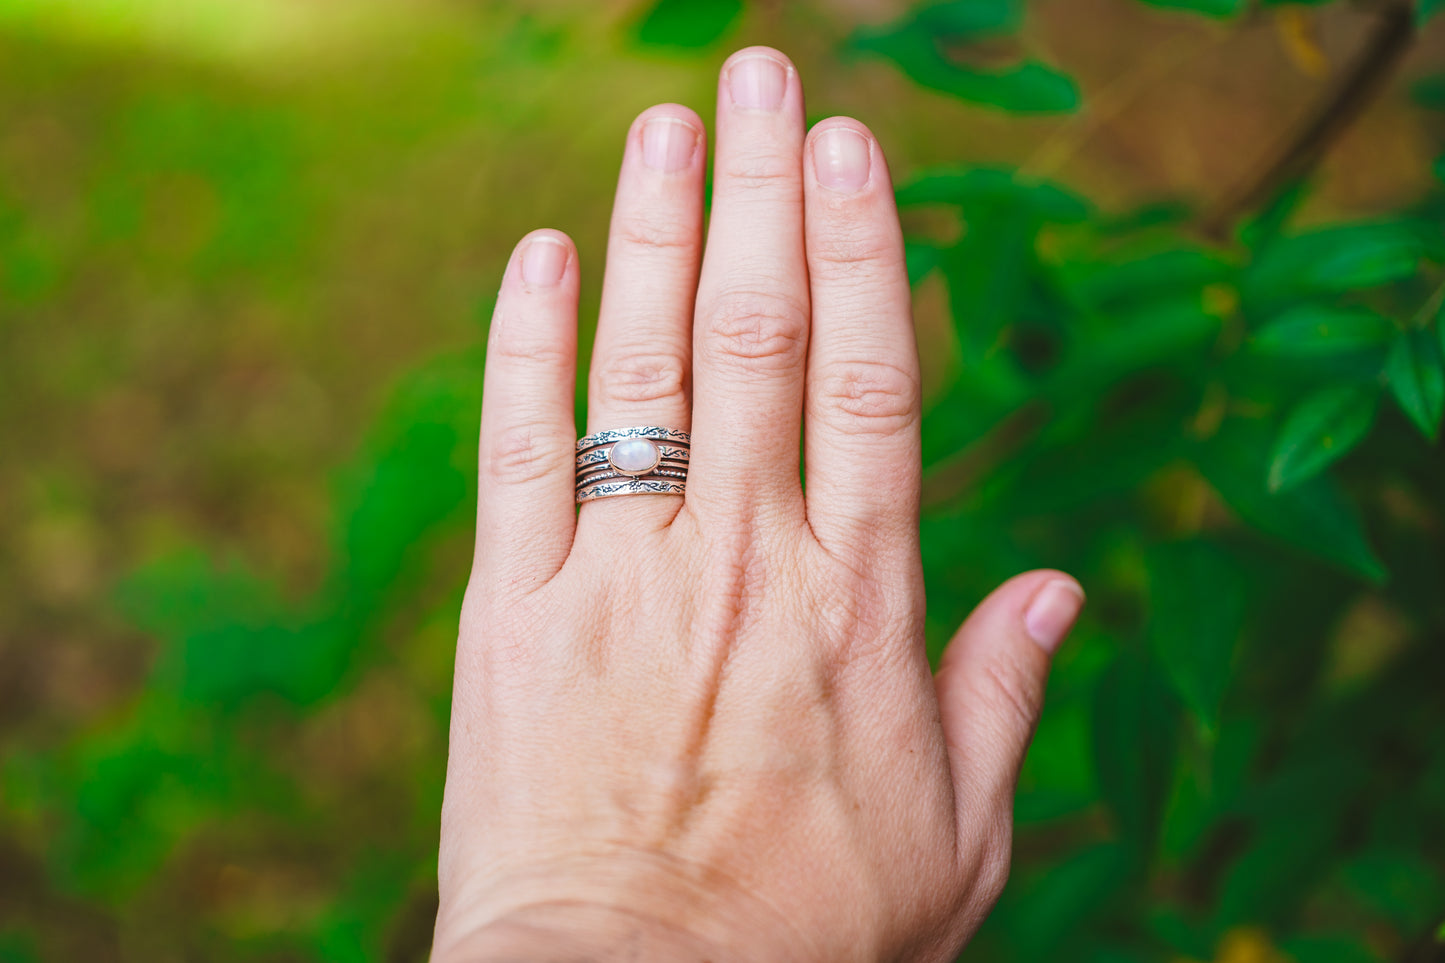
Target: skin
pixel 705 728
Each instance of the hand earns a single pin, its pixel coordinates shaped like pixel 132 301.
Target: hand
pixel 706 728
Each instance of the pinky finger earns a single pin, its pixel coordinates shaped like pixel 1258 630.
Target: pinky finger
pixel 525 514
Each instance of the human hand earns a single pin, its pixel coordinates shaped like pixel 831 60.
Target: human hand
pixel 705 727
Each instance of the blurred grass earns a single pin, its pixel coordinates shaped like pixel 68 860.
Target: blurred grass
pixel 247 253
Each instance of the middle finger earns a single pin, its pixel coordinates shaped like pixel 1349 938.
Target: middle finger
pixel 750 335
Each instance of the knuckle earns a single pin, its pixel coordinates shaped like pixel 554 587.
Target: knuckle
pixel 522 453
pixel 856 619
pixel 758 326
pixel 640 376
pixel 656 235
pixel 842 254
pixel 510 345
pixel 761 170
pixel 881 397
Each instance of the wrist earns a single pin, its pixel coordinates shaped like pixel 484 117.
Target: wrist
pixel 571 933
pixel 594 911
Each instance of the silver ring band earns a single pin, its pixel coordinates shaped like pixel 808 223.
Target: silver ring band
pixel 670 469
pixel 632 486
pixel 619 434
pixel 646 460
pixel 598 456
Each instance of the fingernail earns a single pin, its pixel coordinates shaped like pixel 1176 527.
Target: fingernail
pixel 758 82
pixel 1052 612
pixel 840 159
pixel 543 262
pixel 668 144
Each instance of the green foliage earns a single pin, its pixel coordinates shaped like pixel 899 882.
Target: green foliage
pixel 931 46
pixel 688 23
pixel 1416 372
pixel 1315 517
pixel 1136 726
pixel 1314 330
pixel 1197 598
pixel 1321 428
pixel 1430 92
pixel 1210 8
pixel 1198 426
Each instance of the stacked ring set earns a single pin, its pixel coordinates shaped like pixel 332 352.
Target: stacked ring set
pixel 632 461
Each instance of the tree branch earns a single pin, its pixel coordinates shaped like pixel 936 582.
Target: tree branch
pixel 1337 109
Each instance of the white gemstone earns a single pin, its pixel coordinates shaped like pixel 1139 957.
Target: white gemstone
pixel 634 456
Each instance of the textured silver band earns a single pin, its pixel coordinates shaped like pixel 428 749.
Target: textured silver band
pixel 596 472
pixel 599 477
pixel 632 486
pixel 620 434
pixel 598 456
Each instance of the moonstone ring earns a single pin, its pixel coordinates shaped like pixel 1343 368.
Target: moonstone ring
pixel 632 461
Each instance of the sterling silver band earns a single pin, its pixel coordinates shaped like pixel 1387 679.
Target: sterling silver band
pixel 594 473
pixel 598 456
pixel 618 434
pixel 632 486
pixel 645 460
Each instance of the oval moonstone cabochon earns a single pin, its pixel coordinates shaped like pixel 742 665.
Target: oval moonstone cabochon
pixel 634 456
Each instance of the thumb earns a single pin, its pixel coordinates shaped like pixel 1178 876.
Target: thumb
pixel 991 682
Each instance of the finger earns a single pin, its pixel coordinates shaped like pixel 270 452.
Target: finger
pixel 991 683
pixel 642 355
pixel 525 515
pixel 751 330
pixel 861 413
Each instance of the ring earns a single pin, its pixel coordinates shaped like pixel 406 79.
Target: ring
pixel 646 460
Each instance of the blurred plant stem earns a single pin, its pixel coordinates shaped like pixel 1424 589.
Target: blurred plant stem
pixel 1355 90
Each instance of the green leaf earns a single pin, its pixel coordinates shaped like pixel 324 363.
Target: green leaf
pixel 1311 330
pixel 1196 614
pixel 1328 949
pixel 959 19
pixel 1430 92
pixel 1314 516
pixel 1416 372
pixel 1342 258
pixel 988 272
pixel 1319 430
pixel 1277 869
pixel 1210 8
pixel 1425 9
pixel 1067 898
pixel 1402 886
pixel 1112 287
pixel 1027 88
pixel 1149 335
pixel 921 259
pixel 1368 265
pixel 1261 230
pixel 688 23
pixel 1135 728
pixel 930 45
pixel 970 187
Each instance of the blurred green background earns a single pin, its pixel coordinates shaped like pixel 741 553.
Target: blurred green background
pixel 1178 272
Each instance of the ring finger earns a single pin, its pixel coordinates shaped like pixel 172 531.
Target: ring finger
pixel 642 355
